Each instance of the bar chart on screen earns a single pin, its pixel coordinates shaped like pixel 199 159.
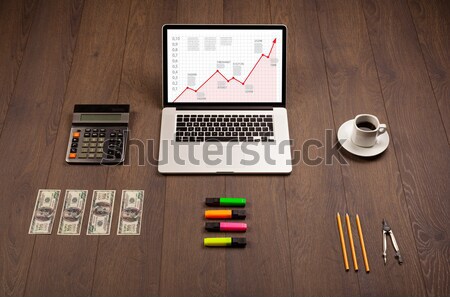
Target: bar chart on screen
pixel 224 67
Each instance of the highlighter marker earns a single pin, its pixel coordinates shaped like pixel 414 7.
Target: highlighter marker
pixel 223 201
pixel 226 227
pixel 225 214
pixel 225 242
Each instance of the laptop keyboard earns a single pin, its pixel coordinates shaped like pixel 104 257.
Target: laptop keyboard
pixel 199 128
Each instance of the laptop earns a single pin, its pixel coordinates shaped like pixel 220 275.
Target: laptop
pixel 224 100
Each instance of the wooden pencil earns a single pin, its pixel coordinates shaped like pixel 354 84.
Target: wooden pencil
pixel 352 245
pixel 363 246
pixel 341 235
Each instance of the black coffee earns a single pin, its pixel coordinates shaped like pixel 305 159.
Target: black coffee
pixel 366 126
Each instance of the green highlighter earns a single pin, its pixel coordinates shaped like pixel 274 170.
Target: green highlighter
pixel 224 201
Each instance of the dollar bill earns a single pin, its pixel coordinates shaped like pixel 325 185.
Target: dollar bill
pixel 130 216
pixel 72 212
pixel 44 211
pixel 100 216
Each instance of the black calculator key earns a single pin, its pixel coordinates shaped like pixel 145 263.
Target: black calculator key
pixel 102 134
pixel 94 134
pixel 120 135
pixel 112 134
pixel 87 134
pixel 73 150
pixel 87 130
pixel 103 130
pixel 75 144
pixel 94 130
pixel 74 139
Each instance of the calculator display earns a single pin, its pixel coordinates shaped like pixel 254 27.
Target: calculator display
pixel 100 117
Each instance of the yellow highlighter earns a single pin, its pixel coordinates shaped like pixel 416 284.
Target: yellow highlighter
pixel 225 242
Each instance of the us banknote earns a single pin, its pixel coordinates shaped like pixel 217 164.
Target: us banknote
pixel 72 212
pixel 44 211
pixel 101 212
pixel 130 216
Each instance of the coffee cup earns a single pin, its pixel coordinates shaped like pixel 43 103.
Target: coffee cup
pixel 366 129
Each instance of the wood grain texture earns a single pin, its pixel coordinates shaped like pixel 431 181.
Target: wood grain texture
pixel 418 135
pixel 385 57
pixel 187 268
pixel 314 193
pixel 94 78
pixel 139 257
pixel 354 89
pixel 263 268
pixel 34 113
pixel 16 18
pixel 432 23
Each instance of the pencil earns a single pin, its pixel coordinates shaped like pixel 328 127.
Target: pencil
pixel 363 246
pixel 352 246
pixel 341 235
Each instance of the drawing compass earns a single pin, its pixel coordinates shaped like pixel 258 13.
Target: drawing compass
pixel 387 231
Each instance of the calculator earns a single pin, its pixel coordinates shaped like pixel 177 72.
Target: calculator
pixel 98 134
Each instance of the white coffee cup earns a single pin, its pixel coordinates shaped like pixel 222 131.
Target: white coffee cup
pixel 366 129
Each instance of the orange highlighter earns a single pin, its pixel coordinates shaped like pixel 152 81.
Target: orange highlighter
pixel 225 214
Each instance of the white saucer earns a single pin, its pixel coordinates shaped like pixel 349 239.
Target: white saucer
pixel 344 137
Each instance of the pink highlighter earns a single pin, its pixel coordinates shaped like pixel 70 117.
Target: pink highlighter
pixel 226 227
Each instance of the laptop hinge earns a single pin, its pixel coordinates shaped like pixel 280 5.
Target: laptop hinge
pixel 224 108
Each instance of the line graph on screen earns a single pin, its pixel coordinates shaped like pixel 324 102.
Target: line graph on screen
pixel 259 84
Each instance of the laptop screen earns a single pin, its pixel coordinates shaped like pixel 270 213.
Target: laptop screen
pixel 224 64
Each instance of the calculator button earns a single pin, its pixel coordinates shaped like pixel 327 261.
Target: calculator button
pixel 76 134
pixel 94 134
pixel 99 155
pixel 94 130
pixel 75 144
pixel 112 134
pixel 102 135
pixel 102 130
pixel 73 150
pixel 91 156
pixel 72 155
pixel 100 150
pixel 82 156
pixel 84 150
pixel 85 144
pixel 87 134
pixel 92 150
pixel 120 135
pixel 74 139
pixel 87 139
pixel 99 144
pixel 93 144
pixel 94 139
pixel 101 139
pixel 87 130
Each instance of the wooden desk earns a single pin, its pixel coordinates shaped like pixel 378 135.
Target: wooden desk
pixel 389 58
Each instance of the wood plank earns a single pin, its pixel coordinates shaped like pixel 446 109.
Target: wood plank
pixel 263 268
pixel 94 77
pixel 432 23
pixel 16 18
pixel 373 189
pixel 314 193
pixel 130 265
pixel 419 137
pixel 33 116
pixel 187 267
